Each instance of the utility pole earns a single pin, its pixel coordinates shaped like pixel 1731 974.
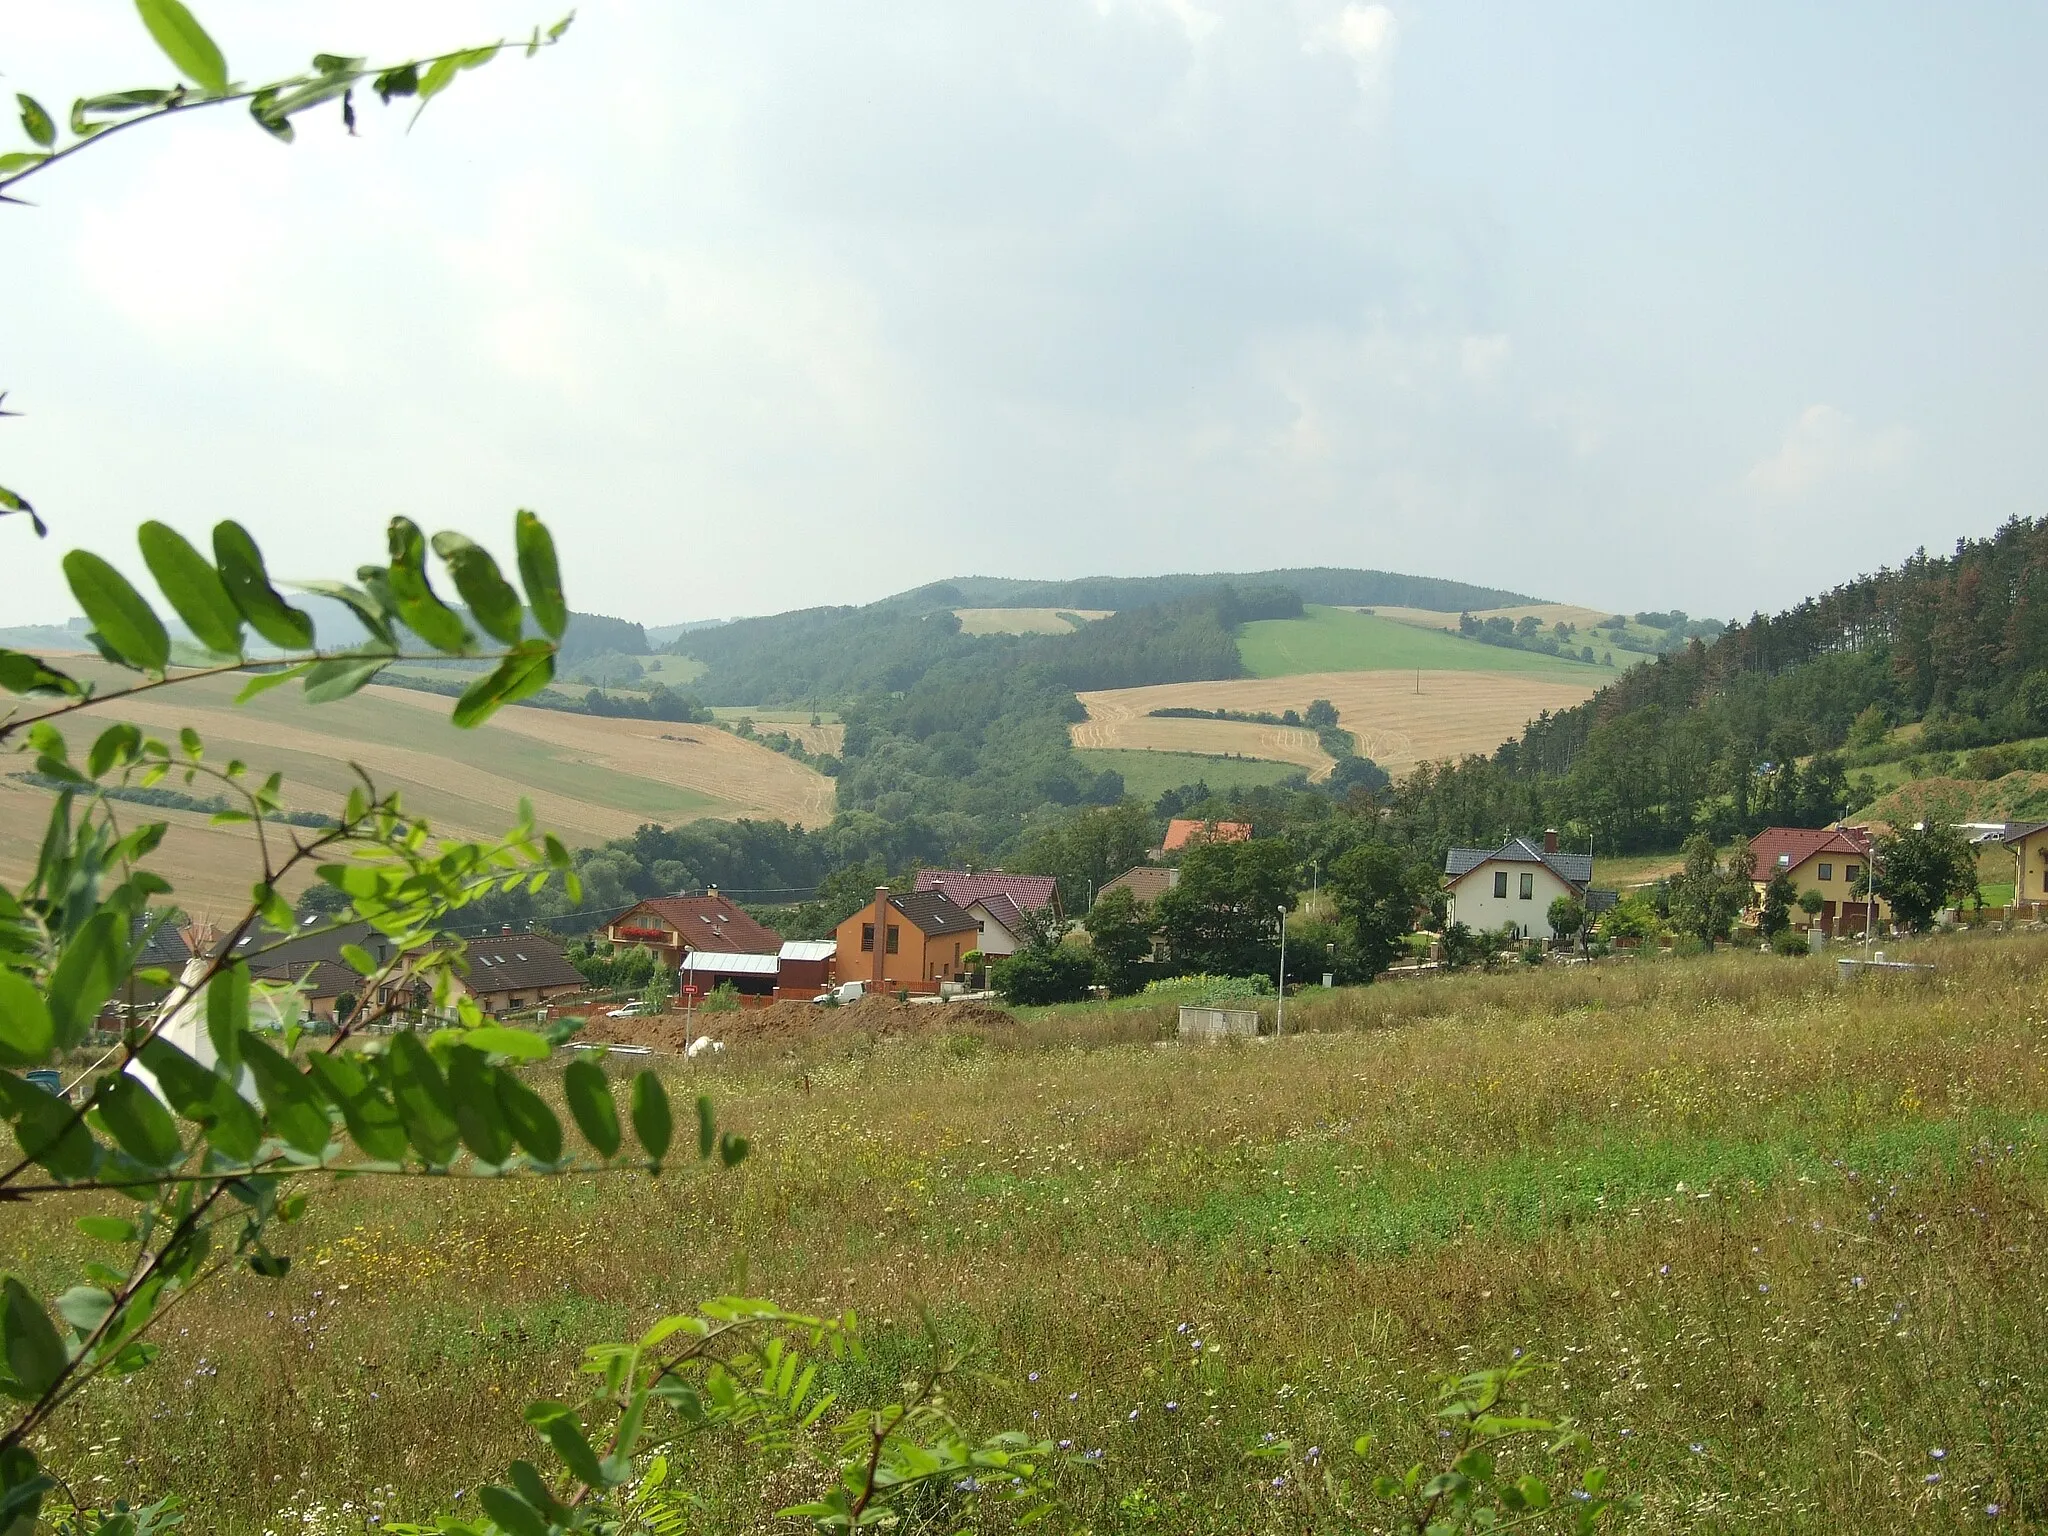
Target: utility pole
pixel 1280 1018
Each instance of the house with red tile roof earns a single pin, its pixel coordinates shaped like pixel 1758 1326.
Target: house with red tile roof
pixel 1182 833
pixel 1833 861
pixel 997 902
pixel 674 926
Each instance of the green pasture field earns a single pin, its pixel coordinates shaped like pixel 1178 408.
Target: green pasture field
pixel 1339 640
pixel 1783 1234
pixel 1148 775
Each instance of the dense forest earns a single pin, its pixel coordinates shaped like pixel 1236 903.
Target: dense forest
pixel 1313 584
pixel 1758 726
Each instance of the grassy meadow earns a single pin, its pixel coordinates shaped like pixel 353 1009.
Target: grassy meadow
pixel 1344 640
pixel 1783 1233
pixel 1148 775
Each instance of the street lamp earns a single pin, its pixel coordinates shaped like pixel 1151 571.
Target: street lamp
pixel 1280 1018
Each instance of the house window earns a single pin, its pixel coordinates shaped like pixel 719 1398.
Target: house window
pixel 867 938
pixel 894 932
pixel 1827 872
pixel 1528 887
pixel 1851 871
pixel 1500 883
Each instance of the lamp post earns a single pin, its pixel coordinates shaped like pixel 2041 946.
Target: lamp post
pixel 1280 1018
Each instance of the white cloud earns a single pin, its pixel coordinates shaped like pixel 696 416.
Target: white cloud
pixel 1485 357
pixel 1825 447
pixel 1364 34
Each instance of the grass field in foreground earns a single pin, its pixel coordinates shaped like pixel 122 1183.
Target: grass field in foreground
pixel 1340 640
pixel 1148 775
pixel 1784 1233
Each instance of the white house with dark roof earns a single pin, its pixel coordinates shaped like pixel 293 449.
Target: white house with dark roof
pixel 1515 883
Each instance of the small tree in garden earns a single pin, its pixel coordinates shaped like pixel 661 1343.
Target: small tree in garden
pixel 204 1164
pixel 1811 902
pixel 1566 917
pixel 1923 869
pixel 1120 928
pixel 1776 914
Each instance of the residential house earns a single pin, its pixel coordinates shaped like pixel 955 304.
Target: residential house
pixel 2028 842
pixel 1515 883
pixel 512 972
pixel 997 903
pixel 1183 834
pixel 673 926
pixel 911 942
pixel 1146 883
pixel 1830 860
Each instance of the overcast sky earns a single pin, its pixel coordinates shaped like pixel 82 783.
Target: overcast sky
pixel 775 304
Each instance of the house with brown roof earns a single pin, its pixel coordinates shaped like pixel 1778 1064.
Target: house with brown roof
pixel 1833 861
pixel 673 926
pixel 1146 883
pixel 1182 833
pixel 911 942
pixel 997 902
pixel 1490 888
pixel 511 972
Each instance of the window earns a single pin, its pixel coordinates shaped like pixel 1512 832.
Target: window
pixel 1827 872
pixel 1851 871
pixel 894 931
pixel 867 938
pixel 1500 883
pixel 1528 887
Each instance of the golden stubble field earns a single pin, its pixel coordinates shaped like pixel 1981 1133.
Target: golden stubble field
pixel 588 778
pixel 1546 614
pixel 1400 718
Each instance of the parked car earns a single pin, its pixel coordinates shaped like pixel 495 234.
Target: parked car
pixel 632 1010
pixel 845 992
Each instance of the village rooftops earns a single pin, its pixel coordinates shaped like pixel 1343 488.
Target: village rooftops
pixel 519 962
pixel 1786 848
pixel 694 922
pixel 1184 833
pixel 1574 869
pixel 934 913
pixel 1028 892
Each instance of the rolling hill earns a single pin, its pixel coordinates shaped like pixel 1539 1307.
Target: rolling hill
pixel 1327 639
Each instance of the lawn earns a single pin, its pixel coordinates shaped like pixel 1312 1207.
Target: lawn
pixel 1783 1233
pixel 1148 775
pixel 1339 640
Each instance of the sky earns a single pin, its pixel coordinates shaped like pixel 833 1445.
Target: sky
pixel 773 305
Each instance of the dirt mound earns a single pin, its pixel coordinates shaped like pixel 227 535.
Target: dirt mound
pixel 789 1023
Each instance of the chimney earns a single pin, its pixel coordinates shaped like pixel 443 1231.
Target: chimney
pixel 1550 839
pixel 881 934
pixel 506 929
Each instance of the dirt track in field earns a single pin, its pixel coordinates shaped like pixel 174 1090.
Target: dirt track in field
pixel 1399 718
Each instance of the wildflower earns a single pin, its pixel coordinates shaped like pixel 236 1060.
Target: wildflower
pixel 968 1485
pixel 1663 1269
pixel 1280 1481
pixel 1066 1445
pixel 1857 1281
pixel 1032 1377
pixel 1134 1416
pixel 1932 1477
pixel 1172 1407
pixel 1183 1328
pixel 1938 1454
pixel 1073 1396
pixel 1314 1451
pixel 1091 1455
pixel 1581 1494
pixel 1991 1510
pixel 1763 1290
pixel 1195 1345
pixel 1698 1449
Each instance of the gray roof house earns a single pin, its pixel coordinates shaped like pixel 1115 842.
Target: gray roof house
pixel 1526 877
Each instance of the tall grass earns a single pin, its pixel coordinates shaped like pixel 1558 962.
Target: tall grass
pixel 1784 1232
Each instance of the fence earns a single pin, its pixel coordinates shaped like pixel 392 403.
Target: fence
pixel 1210 1024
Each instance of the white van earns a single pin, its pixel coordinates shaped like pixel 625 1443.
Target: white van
pixel 846 992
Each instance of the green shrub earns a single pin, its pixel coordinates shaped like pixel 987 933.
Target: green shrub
pixel 1051 973
pixel 1787 942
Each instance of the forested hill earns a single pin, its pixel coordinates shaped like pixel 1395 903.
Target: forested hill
pixel 1313 584
pixel 1711 738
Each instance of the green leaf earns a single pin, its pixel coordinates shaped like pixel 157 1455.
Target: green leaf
pixel 120 615
pixel 490 597
pixel 424 1106
pixel 35 1354
pixel 116 745
pixel 263 682
pixel 35 122
pixel 289 1097
pixel 652 1122
pixel 401 81
pixel 227 1013
pixel 733 1150
pixel 527 668
pixel 473 1089
pixel 707 1127
pixel 327 681
pixel 50 1132
pixel 501 1040
pixel 419 608
pixel 94 963
pixel 84 1307
pixel 185 44
pixel 20 160
pixel 242 572
pixel 555 32
pixel 372 1118
pixel 540 575
pixel 590 1101
pixel 25 1032
pixel 138 1122
pixel 507 1509
pixel 193 588
pixel 207 1099
pixel 106 1229
pixel 532 1123
pixel 442 72
pixel 559 1427
pixel 23 673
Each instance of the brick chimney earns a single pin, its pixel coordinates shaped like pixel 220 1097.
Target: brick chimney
pixel 1550 839
pixel 881 935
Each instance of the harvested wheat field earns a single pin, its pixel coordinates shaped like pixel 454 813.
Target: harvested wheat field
pixel 1024 621
pixel 1546 614
pixel 588 778
pixel 1397 726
